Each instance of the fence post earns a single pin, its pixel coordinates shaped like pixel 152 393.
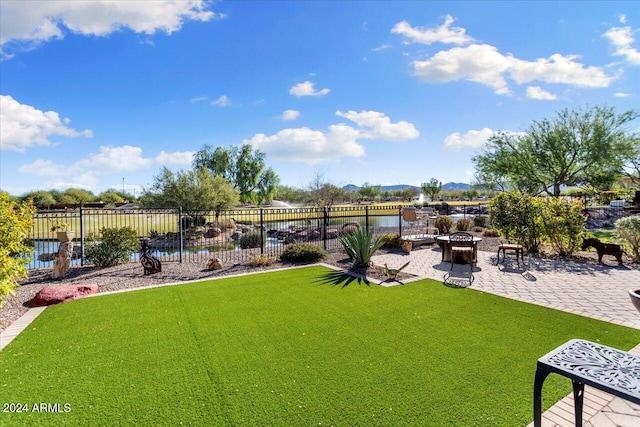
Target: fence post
pixel 262 242
pixel 325 221
pixel 180 232
pixel 81 237
pixel 366 219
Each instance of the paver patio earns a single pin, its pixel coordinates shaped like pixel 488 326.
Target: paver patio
pixel 600 292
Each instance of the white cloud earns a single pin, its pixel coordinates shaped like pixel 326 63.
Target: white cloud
pixel 198 99
pixel 307 89
pixel 442 34
pixel 477 63
pixel 223 101
pixel 314 146
pixel 175 158
pixel 309 146
pixel 27 23
pixel 622 39
pixel 23 126
pixel 381 47
pixel 124 158
pixel 378 125
pixel 42 168
pixel 289 115
pixel 622 18
pixel 536 92
pixel 620 95
pixel 129 158
pixel 558 69
pixel 484 64
pixel 472 139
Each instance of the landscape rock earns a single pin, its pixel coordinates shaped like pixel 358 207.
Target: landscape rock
pixel 57 294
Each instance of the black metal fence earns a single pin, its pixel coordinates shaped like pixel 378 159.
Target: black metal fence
pixel 231 235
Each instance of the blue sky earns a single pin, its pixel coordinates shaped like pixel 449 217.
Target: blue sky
pixel 94 93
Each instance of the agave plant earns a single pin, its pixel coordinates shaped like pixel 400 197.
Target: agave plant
pixel 360 247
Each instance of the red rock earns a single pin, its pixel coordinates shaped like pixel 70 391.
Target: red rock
pixel 56 294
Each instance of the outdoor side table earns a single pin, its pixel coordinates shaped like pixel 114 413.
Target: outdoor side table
pixel 587 363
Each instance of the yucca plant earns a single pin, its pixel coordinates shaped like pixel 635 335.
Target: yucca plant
pixel 360 247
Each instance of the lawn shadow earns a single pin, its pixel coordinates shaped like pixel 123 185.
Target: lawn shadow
pixel 341 278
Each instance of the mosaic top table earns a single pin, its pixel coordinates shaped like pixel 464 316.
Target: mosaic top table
pixel 584 362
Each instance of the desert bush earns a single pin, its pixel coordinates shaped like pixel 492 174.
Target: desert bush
pixel 250 240
pixel 491 232
pixel 261 260
pixel 114 246
pixel 478 229
pixel 391 240
pixel 463 224
pixel 443 223
pixel 480 221
pixel 562 225
pixel 510 212
pixel 360 247
pixel 303 252
pixel 628 230
pixel 16 220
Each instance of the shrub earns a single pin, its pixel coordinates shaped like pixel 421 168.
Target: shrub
pixel 250 240
pixel 360 247
pixel 114 246
pixel 15 223
pixel 443 223
pixel 491 232
pixel 303 252
pixel 463 224
pixel 628 229
pixel 562 225
pixel 478 229
pixel 511 212
pixel 391 240
pixel 261 260
pixel 480 221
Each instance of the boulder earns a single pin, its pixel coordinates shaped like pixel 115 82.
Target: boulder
pixel 212 232
pixel 57 294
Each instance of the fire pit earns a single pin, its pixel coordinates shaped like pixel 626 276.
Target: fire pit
pixel 635 298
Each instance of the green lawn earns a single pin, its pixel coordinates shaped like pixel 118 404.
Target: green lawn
pixel 291 348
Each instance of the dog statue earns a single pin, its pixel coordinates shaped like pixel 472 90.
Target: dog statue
pixel 603 249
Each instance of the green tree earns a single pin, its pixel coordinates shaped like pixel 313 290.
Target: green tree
pixel 112 195
pixel 324 194
pixel 291 194
pixel 369 192
pixel 242 167
pixel 39 198
pixel 432 188
pixel 16 221
pixel 77 196
pixel 196 189
pixel 574 148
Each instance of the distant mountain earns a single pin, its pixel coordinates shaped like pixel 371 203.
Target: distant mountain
pixel 449 186
pixel 453 186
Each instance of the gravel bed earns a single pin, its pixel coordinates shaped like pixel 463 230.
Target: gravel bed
pixel 130 276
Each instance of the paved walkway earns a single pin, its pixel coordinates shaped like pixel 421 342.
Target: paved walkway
pixel 602 291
